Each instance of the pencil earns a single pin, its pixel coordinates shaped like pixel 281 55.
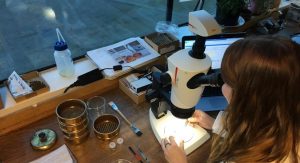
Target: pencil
pixel 135 155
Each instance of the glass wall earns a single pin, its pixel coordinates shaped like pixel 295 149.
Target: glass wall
pixel 27 29
pixel 181 9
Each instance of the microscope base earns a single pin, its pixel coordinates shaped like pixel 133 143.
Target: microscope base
pixel 169 125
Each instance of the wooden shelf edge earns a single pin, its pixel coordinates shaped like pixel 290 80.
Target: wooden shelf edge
pixel 28 115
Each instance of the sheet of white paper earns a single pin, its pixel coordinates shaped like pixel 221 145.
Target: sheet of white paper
pixel 60 155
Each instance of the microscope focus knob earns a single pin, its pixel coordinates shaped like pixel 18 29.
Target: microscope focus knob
pixel 165 78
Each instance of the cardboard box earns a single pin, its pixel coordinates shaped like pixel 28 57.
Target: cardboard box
pixel 136 97
pixel 36 82
pixel 162 42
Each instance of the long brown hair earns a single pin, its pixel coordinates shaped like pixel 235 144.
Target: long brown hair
pixel 262 121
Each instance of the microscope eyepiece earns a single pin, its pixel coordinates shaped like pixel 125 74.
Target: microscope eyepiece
pixel 214 80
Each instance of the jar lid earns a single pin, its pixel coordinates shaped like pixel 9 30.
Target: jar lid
pixel 43 139
pixel 60 46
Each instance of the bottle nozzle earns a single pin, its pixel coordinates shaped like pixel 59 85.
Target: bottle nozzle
pixel 59 36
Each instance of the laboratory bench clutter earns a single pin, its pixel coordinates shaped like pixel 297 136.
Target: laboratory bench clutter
pixel 134 134
pixel 94 122
pixel 98 123
pixel 88 119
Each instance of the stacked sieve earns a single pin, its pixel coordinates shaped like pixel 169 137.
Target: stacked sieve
pixel 73 121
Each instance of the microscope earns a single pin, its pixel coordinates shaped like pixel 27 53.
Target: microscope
pixel 175 93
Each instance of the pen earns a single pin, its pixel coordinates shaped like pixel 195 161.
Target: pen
pixel 143 155
pixel 135 155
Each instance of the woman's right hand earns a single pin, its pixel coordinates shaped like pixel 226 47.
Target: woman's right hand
pixel 202 119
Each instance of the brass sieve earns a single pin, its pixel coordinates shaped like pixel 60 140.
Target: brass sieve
pixel 75 127
pixel 77 133
pixel 106 126
pixel 72 120
pixel 71 112
pixel 77 139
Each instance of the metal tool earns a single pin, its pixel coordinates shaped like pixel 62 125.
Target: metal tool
pixel 136 130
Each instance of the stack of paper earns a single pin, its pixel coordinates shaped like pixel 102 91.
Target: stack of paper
pixel 130 53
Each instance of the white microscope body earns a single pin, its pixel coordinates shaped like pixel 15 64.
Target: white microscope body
pixel 182 66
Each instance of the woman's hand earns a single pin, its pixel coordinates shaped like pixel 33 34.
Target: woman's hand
pixel 202 119
pixel 173 153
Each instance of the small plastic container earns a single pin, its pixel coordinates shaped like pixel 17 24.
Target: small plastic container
pixel 63 57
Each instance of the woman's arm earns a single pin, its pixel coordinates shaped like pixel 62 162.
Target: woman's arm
pixel 202 119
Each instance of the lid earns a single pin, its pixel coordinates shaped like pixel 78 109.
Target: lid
pixel 60 46
pixel 43 139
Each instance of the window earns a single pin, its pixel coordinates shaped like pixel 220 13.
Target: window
pixel 181 9
pixel 27 30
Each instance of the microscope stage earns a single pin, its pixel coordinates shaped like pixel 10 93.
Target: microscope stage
pixel 169 125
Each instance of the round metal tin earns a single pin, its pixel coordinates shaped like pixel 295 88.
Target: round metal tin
pixel 43 139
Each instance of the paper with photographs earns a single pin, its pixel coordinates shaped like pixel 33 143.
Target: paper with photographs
pixel 132 52
pixel 129 52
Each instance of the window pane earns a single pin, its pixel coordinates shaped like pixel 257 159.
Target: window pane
pixel 27 29
pixel 181 9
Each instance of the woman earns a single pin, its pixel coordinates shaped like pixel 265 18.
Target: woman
pixel 262 120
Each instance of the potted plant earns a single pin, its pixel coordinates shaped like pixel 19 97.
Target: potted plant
pixel 228 11
pixel 258 7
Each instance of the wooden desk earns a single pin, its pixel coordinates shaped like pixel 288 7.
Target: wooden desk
pixel 15 146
